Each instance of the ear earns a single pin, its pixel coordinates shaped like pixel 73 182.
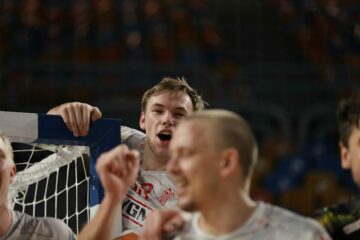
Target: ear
pixel 229 162
pixel 12 173
pixel 345 156
pixel 142 121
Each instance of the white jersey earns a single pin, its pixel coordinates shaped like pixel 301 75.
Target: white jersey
pixel 24 226
pixel 267 222
pixel 152 190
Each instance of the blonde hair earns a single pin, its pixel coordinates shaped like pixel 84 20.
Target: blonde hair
pixel 174 85
pixel 7 143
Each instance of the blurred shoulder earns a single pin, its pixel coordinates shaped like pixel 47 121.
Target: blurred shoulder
pixel 293 223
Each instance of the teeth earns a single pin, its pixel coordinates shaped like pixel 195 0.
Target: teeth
pixel 166 133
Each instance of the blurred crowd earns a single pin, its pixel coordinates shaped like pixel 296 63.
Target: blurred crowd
pixel 169 31
pixel 148 33
pixel 327 32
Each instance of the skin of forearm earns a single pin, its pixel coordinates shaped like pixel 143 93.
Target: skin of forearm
pixel 101 226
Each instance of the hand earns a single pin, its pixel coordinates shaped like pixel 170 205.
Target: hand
pixel 162 223
pixel 118 170
pixel 77 116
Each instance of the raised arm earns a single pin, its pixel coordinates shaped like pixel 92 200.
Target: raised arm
pixel 118 170
pixel 77 116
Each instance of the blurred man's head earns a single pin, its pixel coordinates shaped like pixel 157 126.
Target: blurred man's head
pixel 349 129
pixel 162 107
pixel 7 167
pixel 212 152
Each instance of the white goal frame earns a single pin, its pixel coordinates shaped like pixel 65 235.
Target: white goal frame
pixel 104 134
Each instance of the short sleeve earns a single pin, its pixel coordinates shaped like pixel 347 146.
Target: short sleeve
pixel 60 229
pixel 133 138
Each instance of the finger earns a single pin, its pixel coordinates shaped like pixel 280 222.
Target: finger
pixel 77 110
pixel 65 116
pixel 122 170
pixel 72 120
pixel 95 114
pixel 112 166
pixel 173 221
pixel 118 155
pixel 152 229
pixel 156 222
pixel 176 223
pixel 85 119
pixel 107 158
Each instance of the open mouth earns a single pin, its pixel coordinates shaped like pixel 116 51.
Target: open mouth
pixel 165 136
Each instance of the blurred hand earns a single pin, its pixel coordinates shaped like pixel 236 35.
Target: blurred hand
pixel 118 169
pixel 162 224
pixel 77 116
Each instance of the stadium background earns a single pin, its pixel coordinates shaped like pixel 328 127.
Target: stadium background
pixel 283 64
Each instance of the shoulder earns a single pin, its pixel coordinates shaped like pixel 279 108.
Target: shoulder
pixel 132 137
pixel 341 220
pixel 50 227
pixel 127 132
pixel 55 222
pixel 59 228
pixel 293 223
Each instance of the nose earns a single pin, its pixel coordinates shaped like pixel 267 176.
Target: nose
pixel 168 119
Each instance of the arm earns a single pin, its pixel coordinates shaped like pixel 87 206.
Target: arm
pixel 77 116
pixel 163 224
pixel 118 170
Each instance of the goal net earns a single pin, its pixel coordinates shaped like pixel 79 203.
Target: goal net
pixel 56 174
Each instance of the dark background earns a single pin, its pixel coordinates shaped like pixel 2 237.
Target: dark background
pixel 283 64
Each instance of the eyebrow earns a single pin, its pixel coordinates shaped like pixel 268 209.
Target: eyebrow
pixel 161 105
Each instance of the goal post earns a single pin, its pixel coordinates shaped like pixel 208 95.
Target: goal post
pixel 59 169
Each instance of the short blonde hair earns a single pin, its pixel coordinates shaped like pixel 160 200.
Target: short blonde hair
pixel 7 143
pixel 231 130
pixel 174 85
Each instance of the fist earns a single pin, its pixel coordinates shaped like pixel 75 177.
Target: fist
pixel 118 170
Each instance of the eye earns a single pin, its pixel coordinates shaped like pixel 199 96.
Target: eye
pixel 158 111
pixel 185 153
pixel 179 115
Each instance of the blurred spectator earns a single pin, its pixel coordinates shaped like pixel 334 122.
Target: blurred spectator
pixel 82 31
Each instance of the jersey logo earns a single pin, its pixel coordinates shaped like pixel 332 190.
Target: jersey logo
pixel 166 195
pixel 135 210
pixel 143 190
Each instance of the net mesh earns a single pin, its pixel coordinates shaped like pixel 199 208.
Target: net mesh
pixel 52 181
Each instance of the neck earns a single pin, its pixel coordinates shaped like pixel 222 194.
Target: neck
pixel 227 213
pixel 153 162
pixel 5 219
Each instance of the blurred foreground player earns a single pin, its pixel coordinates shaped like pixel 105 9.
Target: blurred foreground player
pixel 213 155
pixel 342 221
pixel 16 225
